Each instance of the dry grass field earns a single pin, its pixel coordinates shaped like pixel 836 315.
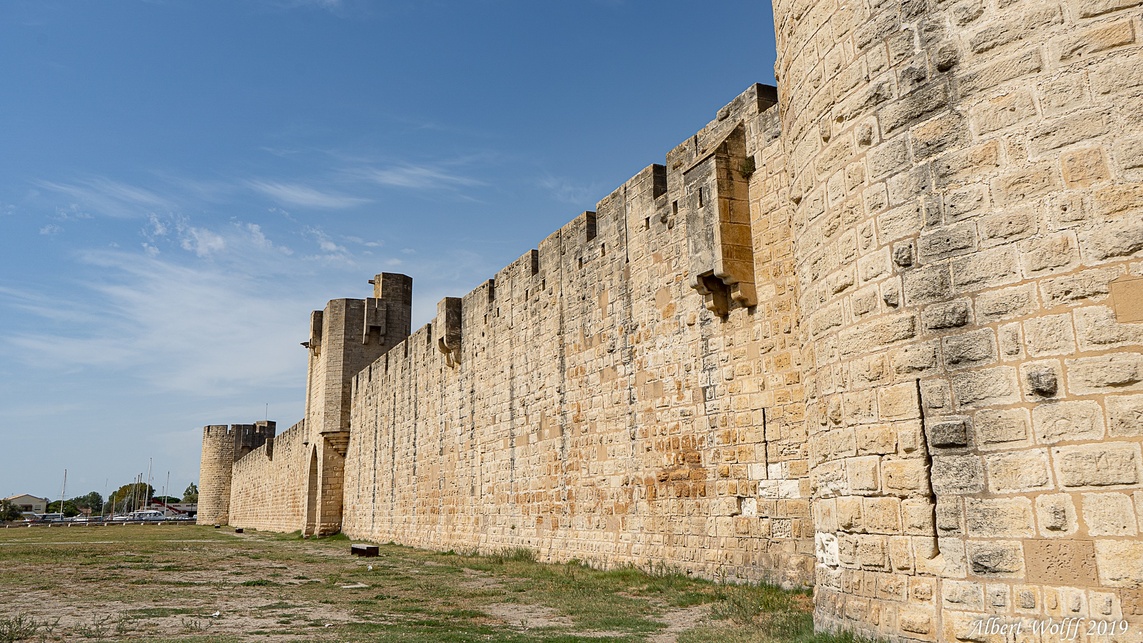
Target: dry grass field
pixel 198 584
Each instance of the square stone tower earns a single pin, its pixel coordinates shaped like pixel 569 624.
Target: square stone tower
pixel 345 337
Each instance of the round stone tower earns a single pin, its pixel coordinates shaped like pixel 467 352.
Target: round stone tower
pixel 969 225
pixel 215 470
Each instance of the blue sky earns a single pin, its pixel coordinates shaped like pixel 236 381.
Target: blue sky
pixel 182 181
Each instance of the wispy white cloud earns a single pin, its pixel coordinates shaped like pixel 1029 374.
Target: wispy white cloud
pixel 329 251
pixel 201 329
pixel 296 194
pixel 201 241
pixel 50 230
pixel 362 242
pixel 105 196
pixel 417 177
pixel 240 238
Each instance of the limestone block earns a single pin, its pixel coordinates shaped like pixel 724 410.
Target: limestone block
pixel 904 477
pixel 986 387
pixel 995 558
pixel 900 222
pixel 972 348
pixel 914 106
pixel 1016 25
pixel 946 131
pixel 948 432
pixel 960 166
pixel 1106 373
pixel 1129 152
pixel 957 474
pixel 947 241
pixel 949 516
pixel 986 269
pixel 998 517
pixel 1041 379
pixel 898 402
pixel 1067 210
pixel 862 473
pixel 1027 598
pixel 1066 130
pixel 1097 329
pixel 901 560
pixel 963 595
pixel 1067 421
pixel 873 265
pixel 1010 341
pixel 1063 93
pixel 1020 64
pixel 919 623
pixel 1049 252
pixel 1055 514
pixel 872 552
pixel 1082 168
pixel 914 358
pixel 881 515
pixel 917 517
pixel 886 158
pixel 1007 226
pixel 1088 284
pixel 1124 415
pixel 965 202
pixel 1097 465
pixel 1109 514
pixel 878 439
pixel 997 427
pixel 1006 303
pixel 1049 335
pixel 1003 111
pixel 967 11
pixel 1137 498
pixel 1012 471
pixel 826 549
pixel 1118 238
pixel 1060 562
pixel 952 561
pixel 849 513
pixel 883 330
pixel 1120 562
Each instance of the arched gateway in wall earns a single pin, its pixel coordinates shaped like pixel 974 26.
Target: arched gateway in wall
pixel 877 331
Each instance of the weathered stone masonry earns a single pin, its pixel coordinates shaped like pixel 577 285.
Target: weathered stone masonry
pixel 884 337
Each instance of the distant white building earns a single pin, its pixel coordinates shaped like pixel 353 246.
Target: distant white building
pixel 28 503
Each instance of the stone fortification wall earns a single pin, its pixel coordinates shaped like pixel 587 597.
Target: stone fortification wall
pixel 222 445
pixel 965 178
pixel 268 488
pixel 885 337
pixel 585 403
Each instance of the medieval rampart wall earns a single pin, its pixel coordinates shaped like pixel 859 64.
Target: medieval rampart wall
pixel 595 409
pixel 268 487
pixel 886 337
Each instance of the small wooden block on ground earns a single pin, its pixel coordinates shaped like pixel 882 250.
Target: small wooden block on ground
pixel 369 551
